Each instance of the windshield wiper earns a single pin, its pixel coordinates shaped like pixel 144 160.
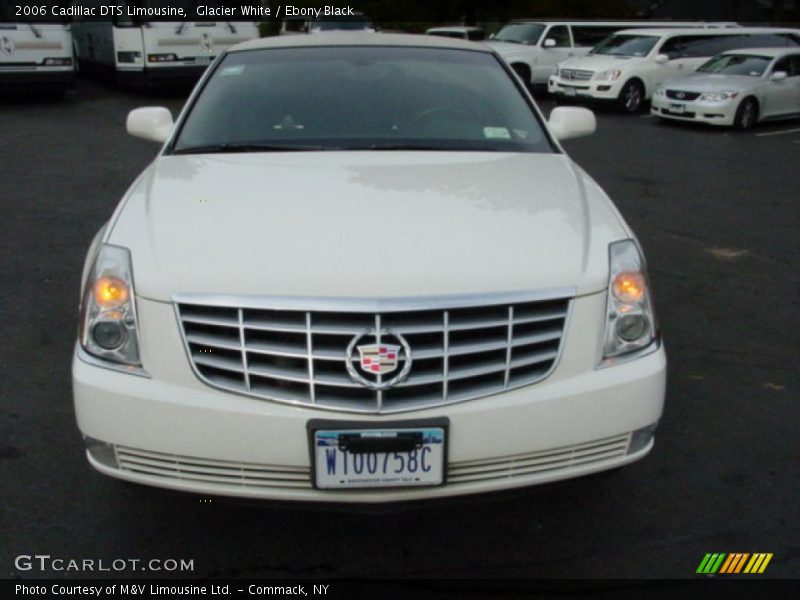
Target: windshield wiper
pixel 428 147
pixel 247 147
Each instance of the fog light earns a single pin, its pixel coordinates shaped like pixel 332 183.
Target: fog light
pixel 641 438
pixel 101 452
pixel 109 334
pixel 631 327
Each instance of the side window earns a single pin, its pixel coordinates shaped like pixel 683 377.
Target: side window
pixel 588 36
pixel 783 65
pixel 778 40
pixel 560 34
pixel 476 35
pixel 673 47
pixel 794 65
pixel 698 46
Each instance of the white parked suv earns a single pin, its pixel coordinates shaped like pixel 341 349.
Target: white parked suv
pixel 627 67
pixel 738 88
pixel 534 48
pixel 362 269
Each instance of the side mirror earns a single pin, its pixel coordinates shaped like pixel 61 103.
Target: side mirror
pixel 661 59
pixel 152 123
pixel 549 43
pixel 567 122
pixel 778 76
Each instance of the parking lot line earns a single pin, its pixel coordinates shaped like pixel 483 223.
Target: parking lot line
pixel 796 130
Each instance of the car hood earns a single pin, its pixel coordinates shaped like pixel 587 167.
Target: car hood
pixel 365 224
pixel 708 82
pixel 509 49
pixel 598 62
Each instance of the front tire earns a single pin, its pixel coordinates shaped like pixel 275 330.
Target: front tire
pixel 631 98
pixel 746 115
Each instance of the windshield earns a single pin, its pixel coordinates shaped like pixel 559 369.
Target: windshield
pixel 365 98
pixel 520 33
pixel 625 45
pixel 737 64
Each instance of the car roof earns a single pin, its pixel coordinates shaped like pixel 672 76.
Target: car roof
pixel 664 22
pixel 707 31
pixel 399 40
pixel 455 28
pixel 771 52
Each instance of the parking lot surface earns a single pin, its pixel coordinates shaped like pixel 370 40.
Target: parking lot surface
pixel 718 216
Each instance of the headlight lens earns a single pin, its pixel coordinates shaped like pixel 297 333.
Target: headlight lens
pixel 608 75
pixel 718 96
pixel 108 311
pixel 630 324
pixel 659 91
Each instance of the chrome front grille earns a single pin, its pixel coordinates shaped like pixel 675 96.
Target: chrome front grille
pixel 576 74
pixel 459 351
pixel 682 95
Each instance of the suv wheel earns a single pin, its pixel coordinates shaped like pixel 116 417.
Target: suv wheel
pixel 631 98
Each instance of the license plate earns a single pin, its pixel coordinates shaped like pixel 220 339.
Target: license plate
pixel 677 108
pixel 570 91
pixel 354 458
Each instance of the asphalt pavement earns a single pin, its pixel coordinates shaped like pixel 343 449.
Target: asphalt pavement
pixel 718 216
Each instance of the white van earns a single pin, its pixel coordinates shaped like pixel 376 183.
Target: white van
pixel 628 66
pixel 534 48
pixel 34 54
pixel 135 50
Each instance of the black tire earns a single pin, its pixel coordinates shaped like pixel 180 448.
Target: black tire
pixel 747 114
pixel 631 97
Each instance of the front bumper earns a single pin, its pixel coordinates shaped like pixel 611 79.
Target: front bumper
pixel 713 113
pixel 158 76
pixel 172 431
pixel 37 77
pixel 586 90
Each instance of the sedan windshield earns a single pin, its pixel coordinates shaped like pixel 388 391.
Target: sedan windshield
pixel 736 64
pixel 626 45
pixel 520 33
pixel 361 98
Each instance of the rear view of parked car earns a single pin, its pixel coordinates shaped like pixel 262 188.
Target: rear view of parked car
pixel 738 88
pixel 476 34
pixel 627 67
pixel 35 53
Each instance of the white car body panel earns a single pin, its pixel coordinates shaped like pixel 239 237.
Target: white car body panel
pixel 186 224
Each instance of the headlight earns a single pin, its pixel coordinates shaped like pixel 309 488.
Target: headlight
pixel 557 72
pixel 630 325
pixel 162 57
pixel 129 57
pixel 718 96
pixel 612 75
pixel 108 312
pixel 659 91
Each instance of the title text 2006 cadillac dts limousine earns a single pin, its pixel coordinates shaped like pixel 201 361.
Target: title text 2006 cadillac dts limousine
pixel 362 269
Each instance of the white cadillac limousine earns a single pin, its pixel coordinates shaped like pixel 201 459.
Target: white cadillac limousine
pixel 362 269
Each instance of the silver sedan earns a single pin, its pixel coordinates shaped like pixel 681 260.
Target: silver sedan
pixel 738 88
